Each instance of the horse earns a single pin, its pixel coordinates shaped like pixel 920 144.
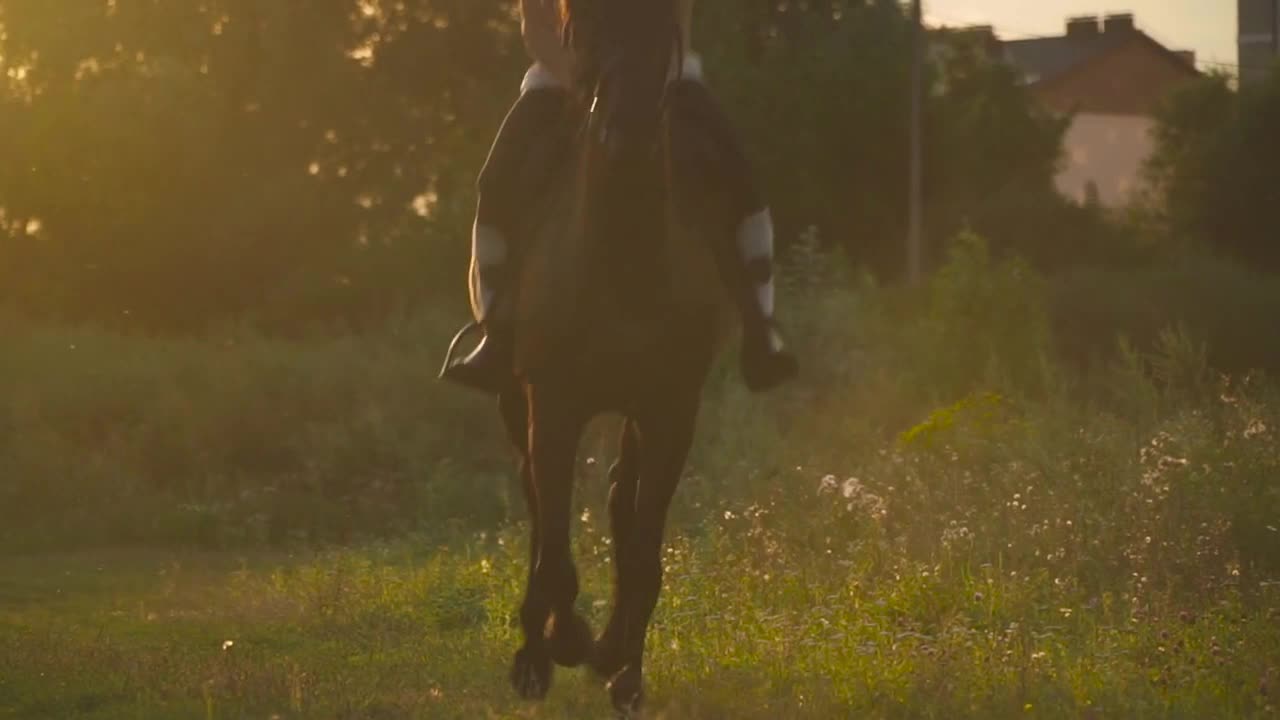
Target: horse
pixel 620 310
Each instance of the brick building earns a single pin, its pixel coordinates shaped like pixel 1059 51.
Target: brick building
pixel 1110 75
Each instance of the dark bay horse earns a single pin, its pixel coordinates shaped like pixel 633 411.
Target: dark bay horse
pixel 620 310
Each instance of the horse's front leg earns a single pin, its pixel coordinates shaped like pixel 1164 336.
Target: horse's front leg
pixel 624 478
pixel 552 629
pixel 665 442
pixel 531 672
pixel 515 420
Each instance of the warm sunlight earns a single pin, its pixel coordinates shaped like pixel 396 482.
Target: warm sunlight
pixel 381 359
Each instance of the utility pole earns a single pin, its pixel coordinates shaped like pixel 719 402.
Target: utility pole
pixel 915 223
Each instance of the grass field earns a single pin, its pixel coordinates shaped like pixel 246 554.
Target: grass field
pixel 418 631
pixel 943 519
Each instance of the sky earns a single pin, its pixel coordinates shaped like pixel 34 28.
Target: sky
pixel 1206 26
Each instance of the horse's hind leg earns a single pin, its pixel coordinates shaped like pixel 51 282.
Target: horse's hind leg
pixel 665 447
pixel 553 631
pixel 624 477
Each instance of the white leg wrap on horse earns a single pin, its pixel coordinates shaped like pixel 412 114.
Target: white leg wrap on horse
pixel 755 241
pixel 539 77
pixel 488 253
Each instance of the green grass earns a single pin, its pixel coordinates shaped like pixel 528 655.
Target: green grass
pixel 945 518
pixel 749 626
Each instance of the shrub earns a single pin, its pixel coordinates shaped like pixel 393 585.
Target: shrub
pixel 1223 305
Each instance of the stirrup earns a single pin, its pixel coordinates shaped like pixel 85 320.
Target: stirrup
pixel 487 369
pixel 449 360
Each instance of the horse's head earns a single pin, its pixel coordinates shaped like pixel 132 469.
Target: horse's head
pixel 625 52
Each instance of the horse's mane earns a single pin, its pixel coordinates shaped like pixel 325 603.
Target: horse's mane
pixel 592 30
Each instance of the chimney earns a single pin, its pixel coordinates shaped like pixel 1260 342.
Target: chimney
pixel 1188 56
pixel 1119 24
pixel 1083 26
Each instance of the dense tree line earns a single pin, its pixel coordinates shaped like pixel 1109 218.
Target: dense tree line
pixel 173 164
pixel 1215 175
pixel 184 162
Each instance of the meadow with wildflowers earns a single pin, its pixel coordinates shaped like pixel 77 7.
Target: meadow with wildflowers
pixel 944 518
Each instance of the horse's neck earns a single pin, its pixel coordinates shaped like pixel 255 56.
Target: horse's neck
pixel 610 268
pixel 628 224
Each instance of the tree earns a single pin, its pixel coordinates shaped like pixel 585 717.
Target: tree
pixel 1215 173
pixel 174 165
pixel 821 91
pixel 183 163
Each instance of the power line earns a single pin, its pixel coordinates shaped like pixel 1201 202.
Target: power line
pixel 915 221
pixel 1235 66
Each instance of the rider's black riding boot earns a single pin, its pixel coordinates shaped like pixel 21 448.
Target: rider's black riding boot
pixel 489 367
pixel 522 154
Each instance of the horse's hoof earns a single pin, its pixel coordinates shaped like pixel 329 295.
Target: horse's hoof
pixel 626 690
pixel 570 642
pixel 531 674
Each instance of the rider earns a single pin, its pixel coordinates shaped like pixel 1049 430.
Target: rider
pixel 503 184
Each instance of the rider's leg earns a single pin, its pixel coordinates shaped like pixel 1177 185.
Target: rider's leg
pixel 746 257
pixel 503 190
